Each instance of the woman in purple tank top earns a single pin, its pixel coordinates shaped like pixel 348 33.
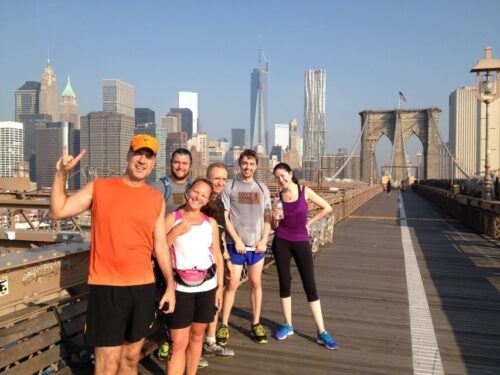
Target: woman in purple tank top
pixel 291 240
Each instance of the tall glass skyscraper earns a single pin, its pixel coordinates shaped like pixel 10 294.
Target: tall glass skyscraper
pixel 282 135
pixel 189 99
pixel 27 99
pixel 50 139
pixel 28 113
pixel 144 116
pixel 259 117
pixel 463 129
pixel 314 114
pixel 106 137
pixel 186 116
pixel 238 138
pixel 118 97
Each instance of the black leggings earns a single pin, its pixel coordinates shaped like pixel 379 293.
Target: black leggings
pixel 283 251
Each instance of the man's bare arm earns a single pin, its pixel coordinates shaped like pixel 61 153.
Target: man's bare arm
pixel 164 260
pixel 219 263
pixel 261 245
pixel 238 243
pixel 62 205
pixel 217 253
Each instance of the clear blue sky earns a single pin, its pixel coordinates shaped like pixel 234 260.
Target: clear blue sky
pixel 370 50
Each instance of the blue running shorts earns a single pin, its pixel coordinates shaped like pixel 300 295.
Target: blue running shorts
pixel 251 257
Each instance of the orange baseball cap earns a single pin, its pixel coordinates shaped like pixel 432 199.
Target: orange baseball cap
pixel 144 141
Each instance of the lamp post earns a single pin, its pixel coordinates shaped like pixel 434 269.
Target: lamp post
pixel 487 91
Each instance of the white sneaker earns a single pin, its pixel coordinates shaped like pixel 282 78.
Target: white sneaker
pixel 217 350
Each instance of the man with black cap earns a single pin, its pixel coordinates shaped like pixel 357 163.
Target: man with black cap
pixel 127 227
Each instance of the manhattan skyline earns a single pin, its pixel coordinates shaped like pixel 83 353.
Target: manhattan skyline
pixel 370 51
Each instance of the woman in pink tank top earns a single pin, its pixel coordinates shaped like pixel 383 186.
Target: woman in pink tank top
pixel 194 241
pixel 291 240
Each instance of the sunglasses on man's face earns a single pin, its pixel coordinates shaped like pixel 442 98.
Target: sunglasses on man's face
pixel 144 152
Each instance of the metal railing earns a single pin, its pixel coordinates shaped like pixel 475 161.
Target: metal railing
pixel 482 215
pixel 343 203
pixel 473 187
pixel 25 222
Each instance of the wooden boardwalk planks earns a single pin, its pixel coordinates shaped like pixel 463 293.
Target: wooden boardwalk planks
pixel 461 274
pixel 362 285
pixel 362 288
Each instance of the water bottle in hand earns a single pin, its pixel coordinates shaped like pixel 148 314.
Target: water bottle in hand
pixel 279 208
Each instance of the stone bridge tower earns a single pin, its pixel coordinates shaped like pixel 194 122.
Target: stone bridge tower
pixel 399 125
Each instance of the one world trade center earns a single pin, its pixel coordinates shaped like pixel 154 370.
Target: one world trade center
pixel 259 117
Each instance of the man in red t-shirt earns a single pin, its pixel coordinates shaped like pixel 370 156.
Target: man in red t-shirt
pixel 127 226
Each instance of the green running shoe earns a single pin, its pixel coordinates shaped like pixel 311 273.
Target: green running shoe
pixel 163 351
pixel 222 335
pixel 258 333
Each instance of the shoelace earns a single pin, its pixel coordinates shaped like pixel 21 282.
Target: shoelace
pixel 215 347
pixel 164 349
pixel 223 332
pixel 325 336
pixel 259 330
pixel 285 329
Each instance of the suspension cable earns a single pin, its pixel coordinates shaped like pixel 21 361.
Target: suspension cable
pixel 455 161
pixel 350 155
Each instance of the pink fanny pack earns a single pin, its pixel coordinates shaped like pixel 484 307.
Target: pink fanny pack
pixel 194 276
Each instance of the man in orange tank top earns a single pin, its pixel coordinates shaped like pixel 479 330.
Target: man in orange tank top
pixel 127 226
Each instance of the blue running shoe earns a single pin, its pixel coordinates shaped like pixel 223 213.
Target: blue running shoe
pixel 284 331
pixel 326 340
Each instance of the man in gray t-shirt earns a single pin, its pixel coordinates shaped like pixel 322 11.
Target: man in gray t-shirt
pixel 174 187
pixel 176 197
pixel 247 207
pixel 246 202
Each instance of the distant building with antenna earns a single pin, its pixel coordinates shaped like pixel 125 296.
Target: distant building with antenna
pixel 259 105
pixel 49 100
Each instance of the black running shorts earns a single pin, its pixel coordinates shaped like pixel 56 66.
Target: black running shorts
pixel 192 308
pixel 118 314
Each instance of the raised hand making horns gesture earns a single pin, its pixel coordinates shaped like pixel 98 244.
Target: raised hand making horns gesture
pixel 67 162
